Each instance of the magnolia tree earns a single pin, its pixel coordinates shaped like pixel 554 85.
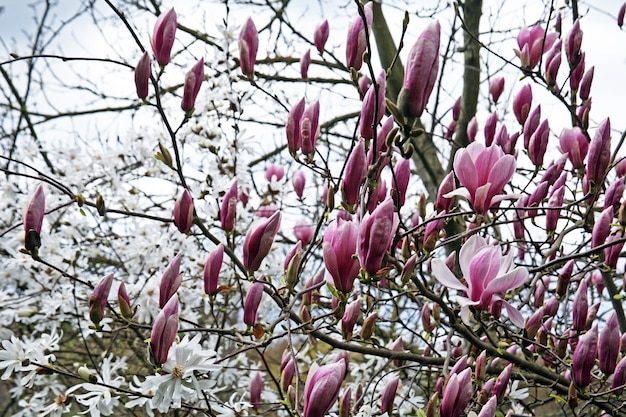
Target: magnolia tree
pixel 262 226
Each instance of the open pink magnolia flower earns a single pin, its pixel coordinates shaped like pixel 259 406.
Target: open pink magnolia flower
pixel 488 277
pixel 483 172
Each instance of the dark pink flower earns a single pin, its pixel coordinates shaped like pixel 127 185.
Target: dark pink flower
pixel 248 47
pixel 303 231
pixel 376 234
pixel 321 36
pixel 309 129
pixel 33 220
pixel 163 37
pixel 599 153
pixel 354 175
pixel 142 75
pixel 339 249
pixel 350 317
pixel 123 300
pixel 584 357
pixel 575 145
pixel 533 42
pixel 608 345
pixel 251 304
pixel 456 394
pixel 274 172
pixel 388 395
pixel 183 212
pixel 321 388
pixel 373 108
pixel 256 386
pixel 294 136
pixel 421 72
pixel 573 42
pixel 585 84
pixel 356 43
pixel 212 268
pixel 193 82
pixel 305 62
pixel 99 298
pixel 496 87
pixel 258 241
pixel 170 281
pixel 521 103
pixel 164 331
pixel 228 208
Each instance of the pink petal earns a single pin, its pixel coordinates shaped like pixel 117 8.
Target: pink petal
pixel 445 276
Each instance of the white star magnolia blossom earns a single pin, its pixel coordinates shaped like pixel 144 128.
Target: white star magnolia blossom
pixel 179 381
pixel 99 399
pixel 20 356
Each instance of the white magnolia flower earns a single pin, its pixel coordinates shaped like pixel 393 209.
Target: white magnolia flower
pixel 179 381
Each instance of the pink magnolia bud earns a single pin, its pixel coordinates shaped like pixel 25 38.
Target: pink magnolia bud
pixel 583 114
pixel 490 128
pixel 580 307
pixel 228 208
pixel 554 170
pixel 565 275
pixel 553 63
pixel 339 249
pixel 460 365
pixel 558 23
pixel 164 331
pixel 251 304
pixel 288 370
pixel 356 43
pixel 294 136
pixel 345 403
pixel 574 144
pixel 426 316
pixel 142 75
pixel 349 319
pixel 256 387
pixel 33 220
pixel 397 346
pixel 170 281
pixel 481 366
pixel 552 306
pixel 536 197
pixel 489 409
pixel 496 87
pixel 602 227
pixel 620 15
pixel 373 108
pixel 499 388
pixel 456 109
pixel 388 395
pixel 608 345
pixel 584 357
pixel 322 387
pixel 298 180
pixel 212 268
pixel 576 74
pixel 573 42
pixel 354 176
pixel 309 129
pixel 124 302
pixel 522 102
pixel 364 85
pixel 258 241
pixel 274 173
pixel 614 194
pixel 99 298
pixel 472 129
pixel 292 263
pixel 305 62
pixel 539 143
pixel 534 322
pixel 442 203
pixel 531 124
pixel 193 82
pixel 248 47
pixel 377 196
pixel 619 377
pixel 421 72
pixel 376 234
pixel 507 142
pixel 183 212
pixel 402 175
pixel 611 253
pixel 599 153
pixel 163 37
pixel 321 36
pixel 555 202
pixel 585 84
pixel 456 394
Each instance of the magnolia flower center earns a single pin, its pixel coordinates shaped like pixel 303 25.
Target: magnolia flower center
pixel 178 371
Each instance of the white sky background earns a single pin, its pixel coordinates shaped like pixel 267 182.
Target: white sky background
pixel 603 42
